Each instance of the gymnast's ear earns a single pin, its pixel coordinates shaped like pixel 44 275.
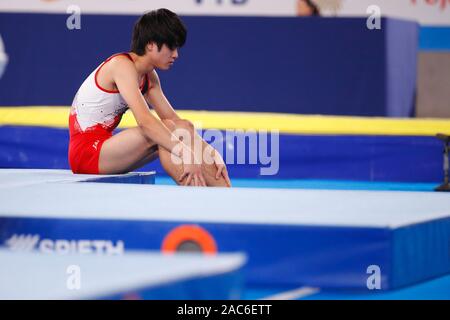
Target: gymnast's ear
pixel 151 46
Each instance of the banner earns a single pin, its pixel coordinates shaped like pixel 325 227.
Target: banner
pixel 426 12
pixel 182 7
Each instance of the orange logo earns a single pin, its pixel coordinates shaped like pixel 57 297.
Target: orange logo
pixel 189 238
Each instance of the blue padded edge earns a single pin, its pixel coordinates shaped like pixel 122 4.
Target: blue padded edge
pixel 131 178
pixel 334 257
pixel 332 157
pixel 420 252
pixel 326 257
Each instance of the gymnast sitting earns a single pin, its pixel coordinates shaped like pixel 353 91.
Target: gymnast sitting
pixel 129 81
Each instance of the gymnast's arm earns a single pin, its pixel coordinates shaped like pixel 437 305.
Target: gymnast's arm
pixel 156 98
pixel 125 77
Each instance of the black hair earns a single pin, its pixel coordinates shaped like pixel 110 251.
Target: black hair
pixel 314 7
pixel 161 26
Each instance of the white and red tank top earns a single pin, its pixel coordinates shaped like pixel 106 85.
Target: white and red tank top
pixel 98 110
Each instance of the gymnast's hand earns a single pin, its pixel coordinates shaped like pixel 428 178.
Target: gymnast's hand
pixel 192 171
pixel 221 168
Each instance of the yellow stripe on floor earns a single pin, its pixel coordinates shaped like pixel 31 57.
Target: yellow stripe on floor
pixel 285 123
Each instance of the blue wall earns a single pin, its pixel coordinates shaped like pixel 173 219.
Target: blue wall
pixel 434 38
pixel 309 65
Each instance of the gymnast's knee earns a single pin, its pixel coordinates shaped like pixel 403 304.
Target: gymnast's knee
pixel 184 124
pixel 183 129
pixel 169 124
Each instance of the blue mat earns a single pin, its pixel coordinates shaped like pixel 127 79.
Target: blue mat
pixel 434 289
pixel 145 275
pixel 318 184
pixel 324 238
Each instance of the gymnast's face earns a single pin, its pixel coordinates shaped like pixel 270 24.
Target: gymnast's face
pixel 304 9
pixel 164 58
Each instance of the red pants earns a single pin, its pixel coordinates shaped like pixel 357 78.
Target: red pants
pixel 84 152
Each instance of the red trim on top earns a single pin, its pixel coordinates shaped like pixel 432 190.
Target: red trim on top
pixel 115 55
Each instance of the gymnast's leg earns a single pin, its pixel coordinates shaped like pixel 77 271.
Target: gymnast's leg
pixel 209 170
